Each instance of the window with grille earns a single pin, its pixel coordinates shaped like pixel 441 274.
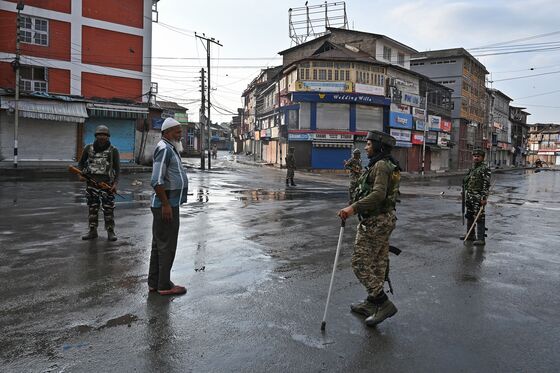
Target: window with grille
pixel 34 30
pixel 33 79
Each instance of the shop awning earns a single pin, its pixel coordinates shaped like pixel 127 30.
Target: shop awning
pixel 106 110
pixel 332 144
pixel 74 112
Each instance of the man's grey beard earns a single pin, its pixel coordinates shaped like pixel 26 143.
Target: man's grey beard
pixel 178 145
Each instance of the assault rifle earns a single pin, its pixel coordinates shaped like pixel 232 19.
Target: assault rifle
pixel 98 184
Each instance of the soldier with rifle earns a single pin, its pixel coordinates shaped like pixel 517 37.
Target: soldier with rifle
pixel 354 164
pixel 476 186
pixel 100 166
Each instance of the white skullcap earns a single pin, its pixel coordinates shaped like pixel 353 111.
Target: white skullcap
pixel 169 123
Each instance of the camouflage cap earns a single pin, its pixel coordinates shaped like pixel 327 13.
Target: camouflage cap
pixel 478 151
pixel 382 137
pixel 356 151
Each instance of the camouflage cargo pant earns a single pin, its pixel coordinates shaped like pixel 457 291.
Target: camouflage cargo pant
pixel 99 198
pixel 472 204
pixel 352 189
pixel 290 174
pixel 370 259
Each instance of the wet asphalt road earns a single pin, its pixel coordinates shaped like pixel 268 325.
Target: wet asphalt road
pixel 267 253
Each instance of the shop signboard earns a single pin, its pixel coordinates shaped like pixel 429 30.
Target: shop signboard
pixel 299 136
pixel 417 138
pixel 400 120
pixel 311 86
pixel 398 108
pixel 431 138
pixel 369 89
pixel 443 139
pixel 418 113
pixel 410 99
pixel 403 144
pixel 445 125
pixel 419 124
pixel 434 123
pixel 400 135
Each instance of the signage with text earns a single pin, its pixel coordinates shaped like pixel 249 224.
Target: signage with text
pixel 434 123
pixel 419 113
pixel 443 139
pixel 400 120
pixel 306 86
pixel 431 138
pixel 410 99
pixel 417 138
pixel 445 125
pixel 398 108
pixel 369 89
pixel 419 124
pixel 340 97
pixel 400 135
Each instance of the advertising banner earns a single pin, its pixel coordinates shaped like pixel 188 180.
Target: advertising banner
pixel 419 124
pixel 400 135
pixel 443 139
pixel 299 136
pixel 410 99
pixel 431 138
pixel 369 89
pixel 397 108
pixel 302 85
pixel 434 123
pixel 418 113
pixel 417 138
pixel 400 120
pixel 445 125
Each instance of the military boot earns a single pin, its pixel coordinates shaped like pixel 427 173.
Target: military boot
pixel 287 182
pixel 366 308
pixel 292 180
pixel 480 234
pixel 90 235
pixel 385 309
pixel 470 222
pixel 111 236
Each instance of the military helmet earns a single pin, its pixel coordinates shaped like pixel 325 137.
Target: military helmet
pixel 102 130
pixel 381 137
pixel 356 151
pixel 478 151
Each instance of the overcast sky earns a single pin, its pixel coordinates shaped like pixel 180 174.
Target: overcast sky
pixel 254 31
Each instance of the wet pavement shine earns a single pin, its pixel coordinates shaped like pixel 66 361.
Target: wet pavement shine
pixel 256 257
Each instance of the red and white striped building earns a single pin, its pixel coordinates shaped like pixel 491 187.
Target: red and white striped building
pixel 96 49
pixel 90 48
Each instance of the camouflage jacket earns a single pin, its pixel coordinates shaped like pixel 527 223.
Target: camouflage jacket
pixel 377 190
pixel 291 162
pixel 355 167
pixel 477 180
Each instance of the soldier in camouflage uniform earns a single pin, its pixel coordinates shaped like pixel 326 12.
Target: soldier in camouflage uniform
pixel 354 164
pixel 476 185
pixel 100 160
pixel 291 166
pixel 374 203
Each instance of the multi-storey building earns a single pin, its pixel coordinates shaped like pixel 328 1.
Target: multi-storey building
pixel 544 143
pixel 499 149
pixel 95 51
pixel 519 134
pixel 460 71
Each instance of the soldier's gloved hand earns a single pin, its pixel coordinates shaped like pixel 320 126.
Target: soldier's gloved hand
pixel 81 178
pixel 483 202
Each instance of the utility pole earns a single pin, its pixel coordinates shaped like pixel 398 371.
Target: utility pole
pixel 201 117
pixel 208 41
pixel 16 66
pixel 425 130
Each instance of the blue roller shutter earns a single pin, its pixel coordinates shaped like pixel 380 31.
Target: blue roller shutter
pixel 122 135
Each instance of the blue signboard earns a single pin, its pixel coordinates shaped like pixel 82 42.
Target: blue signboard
pixel 157 122
pixel 340 98
pixel 400 120
pixel 299 137
pixel 419 124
